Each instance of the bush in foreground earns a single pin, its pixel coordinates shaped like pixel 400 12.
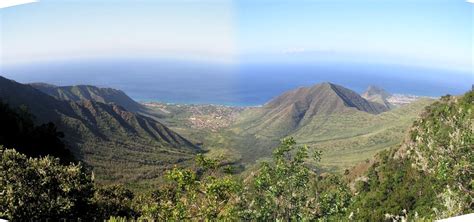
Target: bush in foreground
pixel 42 188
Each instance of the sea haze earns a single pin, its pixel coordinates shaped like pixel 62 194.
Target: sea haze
pixel 246 84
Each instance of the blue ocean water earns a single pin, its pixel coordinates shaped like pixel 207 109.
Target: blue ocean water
pixel 234 84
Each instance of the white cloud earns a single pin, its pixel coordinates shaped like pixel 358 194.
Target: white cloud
pixel 10 3
pixel 470 1
pixel 294 50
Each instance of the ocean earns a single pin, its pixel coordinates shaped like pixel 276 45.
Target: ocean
pixel 248 84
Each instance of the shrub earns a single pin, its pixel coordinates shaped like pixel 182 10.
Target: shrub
pixel 42 188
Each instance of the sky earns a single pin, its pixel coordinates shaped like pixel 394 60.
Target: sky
pixel 428 33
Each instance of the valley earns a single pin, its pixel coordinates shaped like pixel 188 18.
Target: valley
pixel 133 143
pixel 346 136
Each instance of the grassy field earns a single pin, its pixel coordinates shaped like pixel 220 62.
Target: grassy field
pixel 349 138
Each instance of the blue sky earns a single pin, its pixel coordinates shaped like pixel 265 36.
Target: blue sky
pixel 53 29
pixel 429 33
pixel 434 32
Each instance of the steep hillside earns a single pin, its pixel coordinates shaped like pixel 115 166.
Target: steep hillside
pixel 377 95
pixel 86 92
pixel 118 144
pixel 430 175
pixel 297 108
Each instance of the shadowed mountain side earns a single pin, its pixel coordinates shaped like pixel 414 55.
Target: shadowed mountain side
pixel 105 136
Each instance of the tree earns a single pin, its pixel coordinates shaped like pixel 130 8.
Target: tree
pixel 203 194
pixel 284 190
pixel 113 200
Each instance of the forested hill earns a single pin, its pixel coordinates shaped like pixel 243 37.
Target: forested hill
pixel 118 144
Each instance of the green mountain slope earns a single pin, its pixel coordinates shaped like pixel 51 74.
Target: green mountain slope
pixel 349 138
pixel 346 127
pixel 119 145
pixel 87 92
pixel 430 174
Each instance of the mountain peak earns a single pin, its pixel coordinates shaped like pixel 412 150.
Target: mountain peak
pixel 324 98
pixel 325 84
pixel 328 85
pixel 377 95
pixel 298 107
pixel 375 90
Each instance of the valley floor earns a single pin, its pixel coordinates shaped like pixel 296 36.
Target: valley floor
pixel 345 139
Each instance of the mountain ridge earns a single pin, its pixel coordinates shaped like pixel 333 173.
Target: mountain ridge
pixel 89 92
pixel 104 133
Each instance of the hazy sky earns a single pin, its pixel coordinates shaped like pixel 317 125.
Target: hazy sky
pixel 433 33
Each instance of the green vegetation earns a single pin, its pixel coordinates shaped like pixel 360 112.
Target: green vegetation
pixel 400 183
pixel 41 188
pixel 286 189
pixel 124 147
pixel 205 193
pixel 431 175
pixel 44 189
pixel 345 138
pixel 130 148
pixel 428 176
pixel 345 135
pixel 121 146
